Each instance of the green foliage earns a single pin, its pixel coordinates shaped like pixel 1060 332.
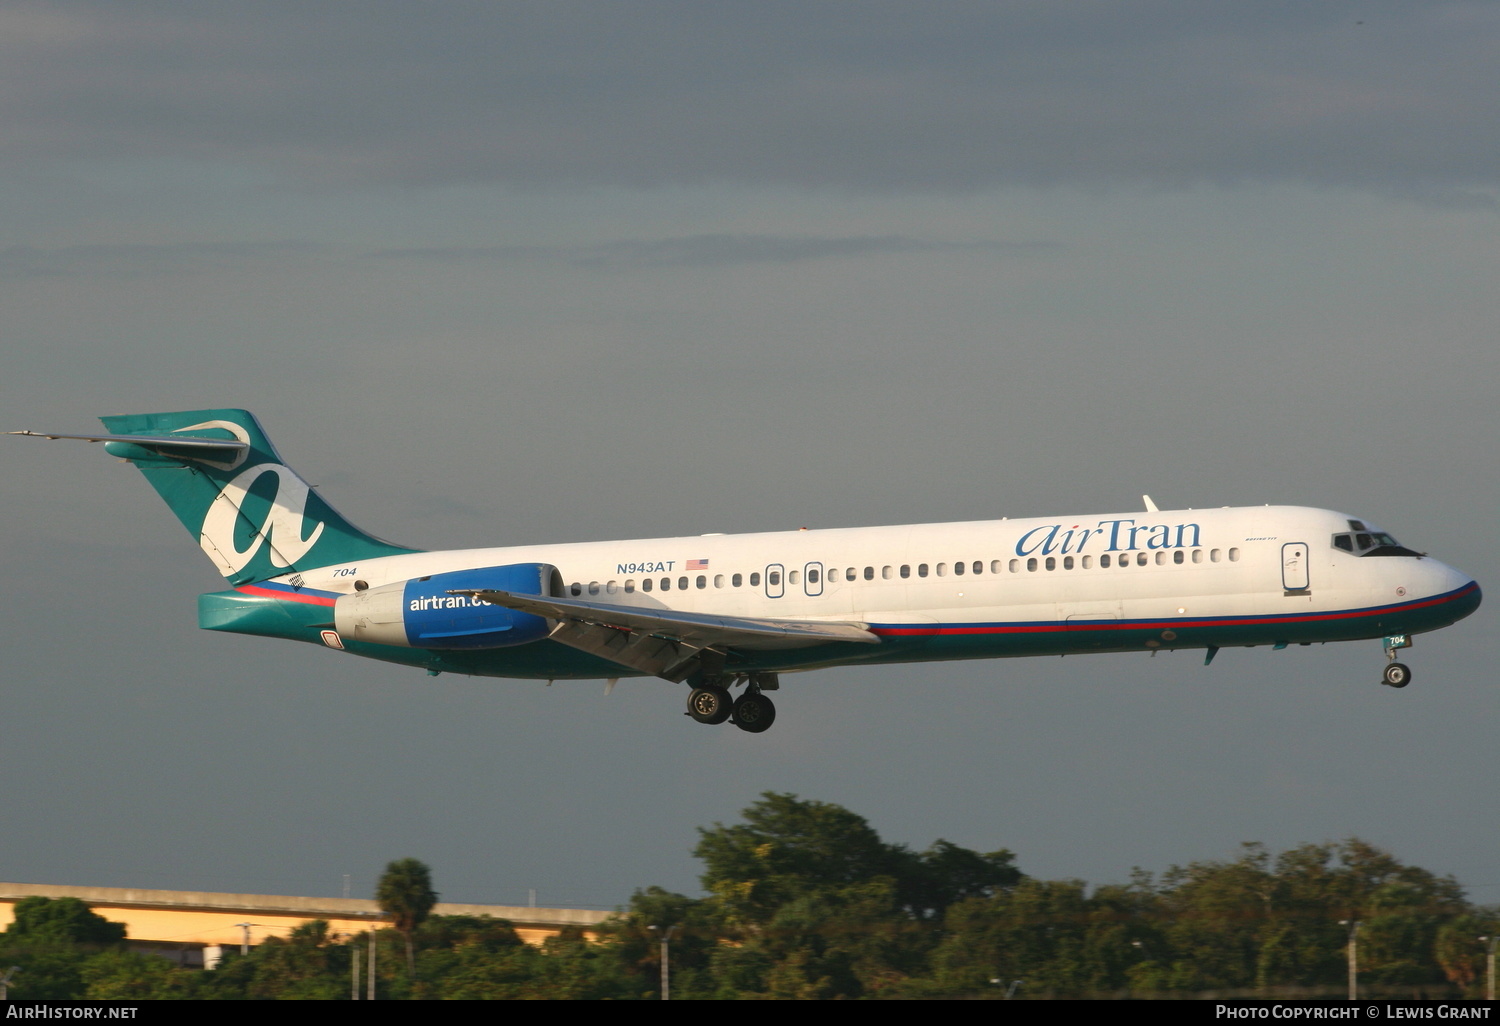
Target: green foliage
pixel 405 894
pixel 946 874
pixel 694 931
pixel 63 921
pixel 51 939
pixel 1461 953
pixel 787 848
pixel 819 906
pixel 307 965
pixel 123 976
pixel 806 901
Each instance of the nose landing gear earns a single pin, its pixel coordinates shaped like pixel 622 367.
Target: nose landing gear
pixel 1396 675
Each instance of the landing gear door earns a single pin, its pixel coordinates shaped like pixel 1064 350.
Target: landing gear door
pixel 1294 577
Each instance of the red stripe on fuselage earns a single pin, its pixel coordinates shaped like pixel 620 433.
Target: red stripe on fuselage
pixel 285 596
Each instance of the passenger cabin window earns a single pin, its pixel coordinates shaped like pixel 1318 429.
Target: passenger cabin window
pixel 702 582
pixel 755 580
pixel 682 583
pixel 576 589
pixel 905 569
pixel 646 584
pixel 869 573
pixel 921 569
pixel 737 580
pixel 1104 560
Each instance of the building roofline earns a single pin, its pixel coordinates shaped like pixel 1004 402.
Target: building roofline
pixel 308 907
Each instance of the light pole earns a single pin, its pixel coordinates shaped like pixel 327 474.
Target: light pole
pixel 666 944
pixel 245 936
pixel 1490 974
pixel 5 980
pixel 1353 959
pixel 371 970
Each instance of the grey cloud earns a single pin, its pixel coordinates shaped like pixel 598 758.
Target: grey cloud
pixel 137 259
pixel 938 96
pixel 714 250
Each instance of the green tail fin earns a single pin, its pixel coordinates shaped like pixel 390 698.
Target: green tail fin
pixel 252 515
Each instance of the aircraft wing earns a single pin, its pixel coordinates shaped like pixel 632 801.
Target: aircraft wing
pixel 665 642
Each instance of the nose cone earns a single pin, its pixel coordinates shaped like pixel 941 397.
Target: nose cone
pixel 1467 601
pixel 1456 594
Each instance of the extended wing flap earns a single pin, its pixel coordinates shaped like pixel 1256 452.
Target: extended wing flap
pixel 699 630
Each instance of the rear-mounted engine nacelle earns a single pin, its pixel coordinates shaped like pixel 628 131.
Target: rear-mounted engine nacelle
pixel 421 613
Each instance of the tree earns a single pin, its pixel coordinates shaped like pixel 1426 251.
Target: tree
pixel 406 895
pixel 946 874
pixel 51 939
pixel 821 907
pixel 62 920
pixel 787 848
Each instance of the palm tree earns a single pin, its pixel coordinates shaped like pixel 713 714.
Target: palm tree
pixel 406 895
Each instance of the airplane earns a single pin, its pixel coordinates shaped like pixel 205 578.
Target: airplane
pixel 736 611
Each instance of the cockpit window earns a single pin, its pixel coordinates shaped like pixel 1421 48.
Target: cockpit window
pixel 1366 542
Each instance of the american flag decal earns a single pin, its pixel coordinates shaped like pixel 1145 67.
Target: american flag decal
pixel 697 564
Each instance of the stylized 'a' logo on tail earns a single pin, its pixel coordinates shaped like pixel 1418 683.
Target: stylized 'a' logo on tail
pixel 281 531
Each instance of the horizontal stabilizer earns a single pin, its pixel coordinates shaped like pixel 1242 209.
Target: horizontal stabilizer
pixel 149 441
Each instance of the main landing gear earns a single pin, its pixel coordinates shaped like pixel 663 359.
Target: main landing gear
pixel 1396 675
pixel 710 702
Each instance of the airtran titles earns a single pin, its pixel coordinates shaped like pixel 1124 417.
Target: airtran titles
pixel 1124 535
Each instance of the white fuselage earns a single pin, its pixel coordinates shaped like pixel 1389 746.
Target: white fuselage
pixel 1194 571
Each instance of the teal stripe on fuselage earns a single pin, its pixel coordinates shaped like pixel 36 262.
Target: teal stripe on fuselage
pixel 268 616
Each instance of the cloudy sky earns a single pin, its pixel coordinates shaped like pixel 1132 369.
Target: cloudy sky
pixel 495 273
